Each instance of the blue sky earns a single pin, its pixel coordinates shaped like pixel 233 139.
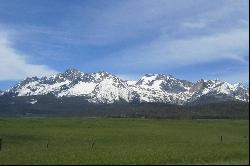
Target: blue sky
pixel 190 39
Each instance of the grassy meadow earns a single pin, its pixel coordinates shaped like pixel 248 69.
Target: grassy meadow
pixel 123 141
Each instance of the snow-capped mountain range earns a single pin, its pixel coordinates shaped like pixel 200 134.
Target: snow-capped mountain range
pixel 103 87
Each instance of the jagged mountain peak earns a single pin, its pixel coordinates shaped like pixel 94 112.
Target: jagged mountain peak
pixel 240 85
pixel 71 74
pixel 163 82
pixel 148 79
pixel 22 83
pixel 103 74
pixel 29 79
pixel 72 70
pixel 104 87
pixel 158 76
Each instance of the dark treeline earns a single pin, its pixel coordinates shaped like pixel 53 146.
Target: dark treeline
pixel 77 106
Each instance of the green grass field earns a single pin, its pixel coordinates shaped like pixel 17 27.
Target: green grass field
pixel 123 141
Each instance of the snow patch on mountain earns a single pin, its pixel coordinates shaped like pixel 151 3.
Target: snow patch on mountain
pixel 81 88
pixel 131 83
pixel 36 88
pixel 111 89
pixel 32 101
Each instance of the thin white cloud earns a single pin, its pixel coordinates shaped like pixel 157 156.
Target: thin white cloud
pixel 14 66
pixel 126 20
pixel 232 44
pixel 231 14
pixel 194 24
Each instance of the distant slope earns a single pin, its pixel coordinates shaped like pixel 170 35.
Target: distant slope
pixel 49 105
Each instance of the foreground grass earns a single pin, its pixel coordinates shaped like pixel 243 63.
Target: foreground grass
pixel 123 141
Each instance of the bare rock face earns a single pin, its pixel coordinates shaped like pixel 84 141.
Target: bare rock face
pixel 197 87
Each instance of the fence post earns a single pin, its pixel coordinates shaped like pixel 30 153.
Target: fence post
pixel 221 139
pixel 92 144
pixel 245 137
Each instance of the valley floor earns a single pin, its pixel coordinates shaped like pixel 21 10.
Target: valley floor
pixel 123 141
